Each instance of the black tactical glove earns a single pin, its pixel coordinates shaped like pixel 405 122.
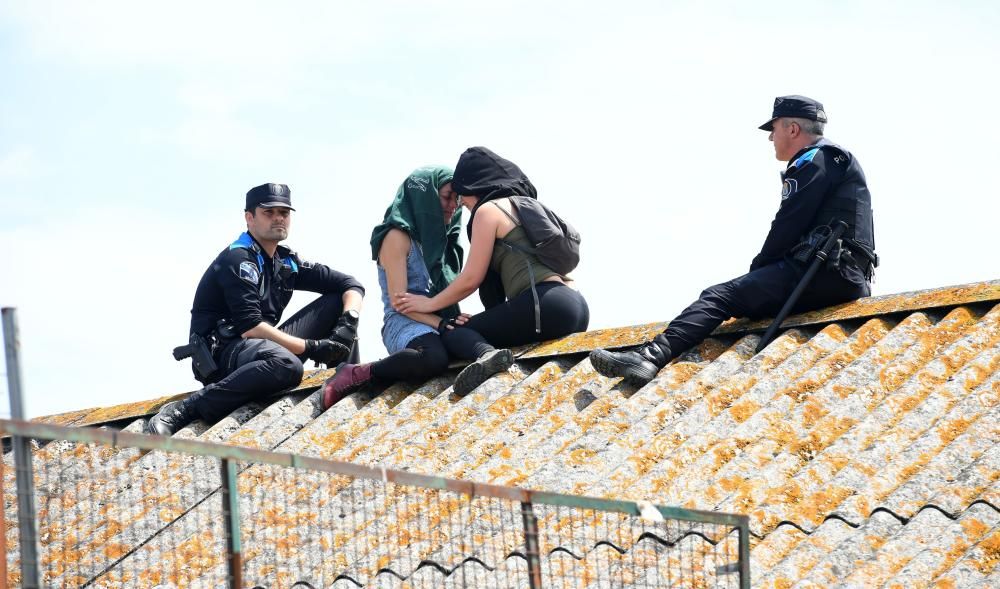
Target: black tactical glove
pixel 326 351
pixel 346 330
pixel 446 324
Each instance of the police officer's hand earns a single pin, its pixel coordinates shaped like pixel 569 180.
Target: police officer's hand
pixel 346 330
pixel 326 351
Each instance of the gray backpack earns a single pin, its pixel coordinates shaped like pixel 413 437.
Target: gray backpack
pixel 555 242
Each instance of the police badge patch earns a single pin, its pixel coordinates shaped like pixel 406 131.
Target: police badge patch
pixel 249 272
pixel 788 187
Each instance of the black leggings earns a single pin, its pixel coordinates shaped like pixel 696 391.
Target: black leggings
pixel 563 310
pixel 423 358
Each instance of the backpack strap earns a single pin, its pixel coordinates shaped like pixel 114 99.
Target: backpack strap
pixel 531 271
pixel 504 211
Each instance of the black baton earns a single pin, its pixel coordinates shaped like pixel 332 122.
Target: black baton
pixel 821 257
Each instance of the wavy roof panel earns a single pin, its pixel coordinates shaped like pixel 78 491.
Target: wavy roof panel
pixel 862 442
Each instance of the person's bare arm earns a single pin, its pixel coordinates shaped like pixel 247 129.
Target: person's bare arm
pixel 392 257
pixel 484 230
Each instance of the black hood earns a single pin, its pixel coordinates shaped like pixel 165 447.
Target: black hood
pixel 482 173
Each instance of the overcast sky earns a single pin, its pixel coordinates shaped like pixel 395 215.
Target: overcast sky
pixel 130 132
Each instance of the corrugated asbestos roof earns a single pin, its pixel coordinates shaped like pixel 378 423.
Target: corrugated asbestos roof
pixel 862 443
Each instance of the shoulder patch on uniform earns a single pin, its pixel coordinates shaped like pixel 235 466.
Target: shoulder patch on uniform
pixel 806 157
pixel 788 187
pixel 250 272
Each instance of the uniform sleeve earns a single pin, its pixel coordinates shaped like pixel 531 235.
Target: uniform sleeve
pixel 322 279
pixel 239 277
pixel 802 193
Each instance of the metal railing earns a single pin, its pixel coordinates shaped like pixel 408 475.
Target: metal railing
pixel 114 509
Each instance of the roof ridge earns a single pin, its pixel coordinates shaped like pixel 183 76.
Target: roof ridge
pixel 619 337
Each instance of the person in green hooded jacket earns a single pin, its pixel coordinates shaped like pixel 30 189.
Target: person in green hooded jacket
pixel 416 248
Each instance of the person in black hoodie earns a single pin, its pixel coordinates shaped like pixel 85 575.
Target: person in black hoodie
pixel 485 181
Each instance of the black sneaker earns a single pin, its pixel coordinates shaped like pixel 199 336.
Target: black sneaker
pixel 479 371
pixel 171 418
pixel 636 367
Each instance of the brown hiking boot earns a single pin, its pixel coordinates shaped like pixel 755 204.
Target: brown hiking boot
pixel 348 378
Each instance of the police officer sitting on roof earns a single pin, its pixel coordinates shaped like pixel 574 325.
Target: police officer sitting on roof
pixel 239 301
pixel 823 184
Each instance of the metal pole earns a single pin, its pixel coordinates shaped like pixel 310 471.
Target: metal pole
pixel 3 535
pixel 30 576
pixel 745 554
pixel 231 513
pixel 821 257
pixel 531 545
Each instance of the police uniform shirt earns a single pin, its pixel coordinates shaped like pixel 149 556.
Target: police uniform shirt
pixel 246 287
pixel 821 180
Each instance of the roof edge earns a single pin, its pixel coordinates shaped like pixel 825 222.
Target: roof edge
pixel 102 415
pixel 620 337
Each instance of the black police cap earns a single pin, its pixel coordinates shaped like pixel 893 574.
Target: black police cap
pixel 799 107
pixel 268 196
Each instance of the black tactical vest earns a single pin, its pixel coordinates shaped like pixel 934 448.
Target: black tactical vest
pixel 850 202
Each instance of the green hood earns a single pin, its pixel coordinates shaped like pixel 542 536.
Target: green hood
pixel 417 211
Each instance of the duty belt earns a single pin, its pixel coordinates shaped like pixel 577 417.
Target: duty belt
pixel 865 259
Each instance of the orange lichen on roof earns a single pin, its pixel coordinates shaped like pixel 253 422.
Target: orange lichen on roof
pixel 602 338
pixel 990 550
pixel 871 425
pixel 950 296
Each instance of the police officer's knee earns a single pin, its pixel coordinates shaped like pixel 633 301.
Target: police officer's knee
pixel 288 370
pixel 716 291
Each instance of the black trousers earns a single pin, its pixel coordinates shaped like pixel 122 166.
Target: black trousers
pixel 563 311
pixel 252 369
pixel 423 358
pixel 757 294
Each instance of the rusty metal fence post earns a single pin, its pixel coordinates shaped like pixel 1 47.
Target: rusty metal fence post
pixel 744 553
pixel 531 545
pixel 3 535
pixel 231 513
pixel 30 574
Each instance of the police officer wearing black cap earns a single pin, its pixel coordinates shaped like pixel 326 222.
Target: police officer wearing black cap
pixel 822 184
pixel 239 301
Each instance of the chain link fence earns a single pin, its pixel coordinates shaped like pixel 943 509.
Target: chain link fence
pixel 114 509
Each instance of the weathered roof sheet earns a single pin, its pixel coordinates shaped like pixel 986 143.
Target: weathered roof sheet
pixel 863 442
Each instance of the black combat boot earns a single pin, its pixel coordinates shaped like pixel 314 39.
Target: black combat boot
pixel 636 367
pixel 479 371
pixel 171 418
